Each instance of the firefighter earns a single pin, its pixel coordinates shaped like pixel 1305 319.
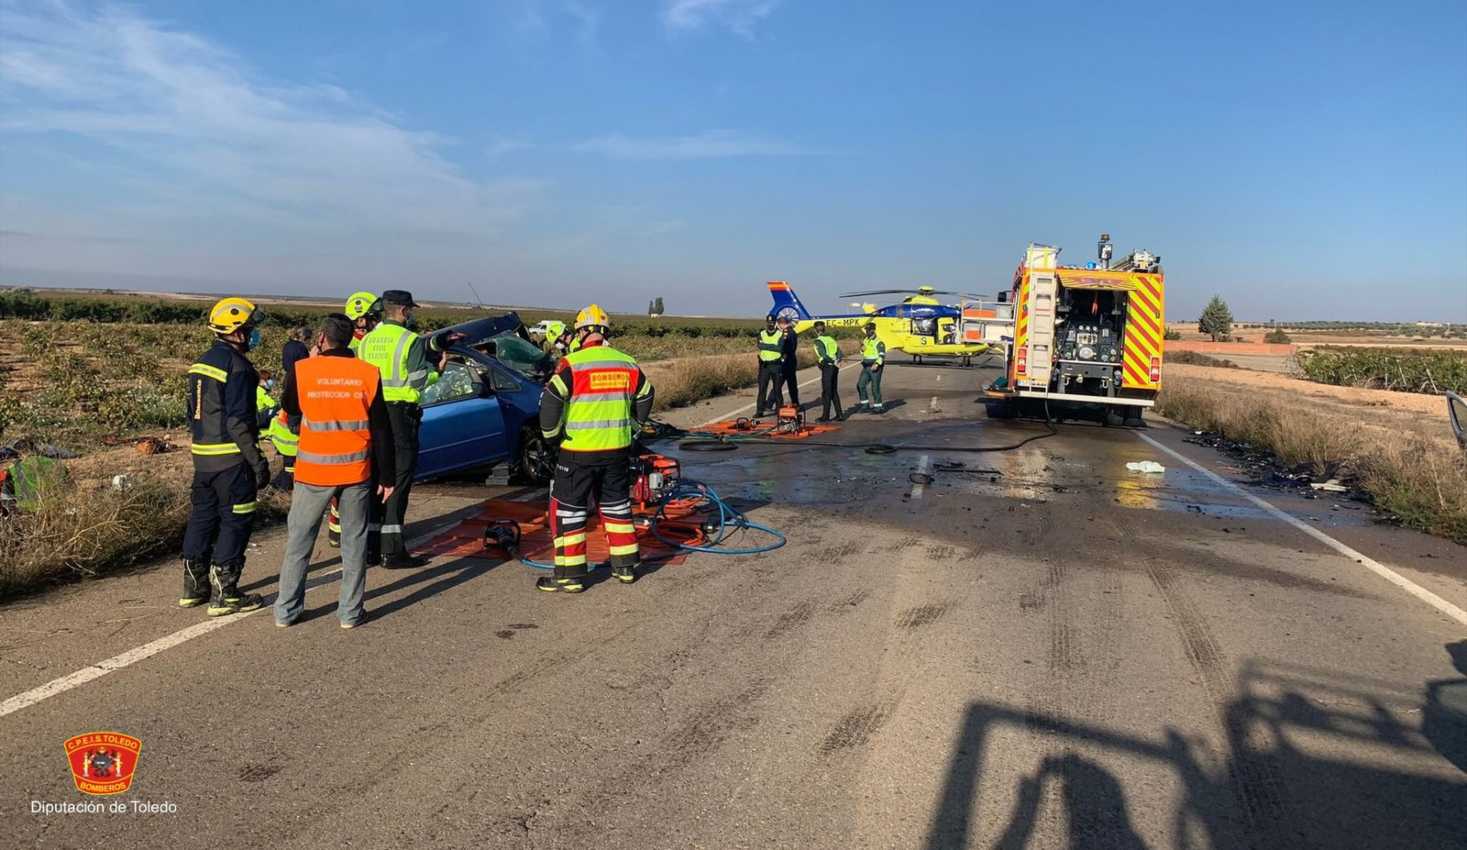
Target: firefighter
pixel 403 358
pixel 365 311
pixel 827 354
pixel 557 339
pixel 593 404
pixel 346 447
pixel 265 404
pixel 771 355
pixel 873 358
pixel 228 466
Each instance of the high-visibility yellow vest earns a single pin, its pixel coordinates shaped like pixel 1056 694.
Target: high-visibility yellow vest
pixel 826 349
pixel 284 440
pixel 873 351
pixel 598 410
pixel 387 347
pixel 770 347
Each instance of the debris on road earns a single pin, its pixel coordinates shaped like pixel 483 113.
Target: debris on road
pixel 1145 466
pixel 1332 486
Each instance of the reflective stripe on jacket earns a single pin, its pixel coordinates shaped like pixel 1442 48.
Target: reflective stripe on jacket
pixel 335 395
pixel 770 346
pixel 387 347
pixel 600 399
pixel 285 440
pixel 873 352
pixel 827 350
pixel 221 396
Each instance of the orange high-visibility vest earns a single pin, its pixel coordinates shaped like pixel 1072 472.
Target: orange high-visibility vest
pixel 335 395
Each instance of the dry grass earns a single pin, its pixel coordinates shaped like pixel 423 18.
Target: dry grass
pixel 1419 477
pixel 90 529
pixel 689 380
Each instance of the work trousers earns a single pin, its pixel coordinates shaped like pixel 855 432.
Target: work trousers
pixel 610 481
pixel 221 517
pixel 869 384
pixel 829 391
pixel 771 374
pixel 405 420
pixel 307 503
pixel 787 371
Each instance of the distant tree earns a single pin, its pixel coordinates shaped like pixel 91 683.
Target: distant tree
pixel 659 307
pixel 1217 319
pixel 1277 337
pixel 652 307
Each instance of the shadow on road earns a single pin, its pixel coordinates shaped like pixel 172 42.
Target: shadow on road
pixel 1303 769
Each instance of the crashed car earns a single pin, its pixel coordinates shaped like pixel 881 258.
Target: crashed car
pixel 484 409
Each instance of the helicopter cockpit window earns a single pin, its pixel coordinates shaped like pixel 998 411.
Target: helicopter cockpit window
pixel 925 327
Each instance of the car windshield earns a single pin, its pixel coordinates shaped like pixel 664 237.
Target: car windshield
pixel 521 355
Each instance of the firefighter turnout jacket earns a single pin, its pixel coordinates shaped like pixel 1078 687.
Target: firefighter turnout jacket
pixel 344 426
pixel 595 399
pixel 222 421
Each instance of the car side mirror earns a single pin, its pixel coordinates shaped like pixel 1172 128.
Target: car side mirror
pixel 1457 413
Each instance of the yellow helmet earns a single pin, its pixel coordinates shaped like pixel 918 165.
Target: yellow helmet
pixel 359 304
pixel 231 314
pixel 592 317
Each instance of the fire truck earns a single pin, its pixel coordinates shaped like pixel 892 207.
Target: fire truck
pixel 1087 340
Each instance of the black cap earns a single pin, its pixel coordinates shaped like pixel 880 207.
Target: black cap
pixel 398 298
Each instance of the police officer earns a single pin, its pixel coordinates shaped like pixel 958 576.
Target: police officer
pixel 873 358
pixel 827 354
pixel 789 358
pixel 771 373
pixel 228 466
pixel 593 403
pixel 405 360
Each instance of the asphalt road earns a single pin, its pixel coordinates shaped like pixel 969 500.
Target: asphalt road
pixel 1054 652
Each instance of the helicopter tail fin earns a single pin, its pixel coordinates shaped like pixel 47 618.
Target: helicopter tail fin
pixel 786 302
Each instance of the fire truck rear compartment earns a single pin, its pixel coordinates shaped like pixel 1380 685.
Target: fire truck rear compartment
pixel 1089 340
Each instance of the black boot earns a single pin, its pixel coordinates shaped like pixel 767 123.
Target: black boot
pixel 226 597
pixel 624 573
pixel 550 584
pixel 195 583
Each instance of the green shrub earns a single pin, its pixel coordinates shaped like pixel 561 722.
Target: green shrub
pixel 1171 334
pixel 1277 337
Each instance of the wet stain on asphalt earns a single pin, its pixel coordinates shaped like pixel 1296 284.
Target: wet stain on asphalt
pixel 258 772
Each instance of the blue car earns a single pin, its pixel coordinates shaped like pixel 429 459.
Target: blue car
pixel 484 410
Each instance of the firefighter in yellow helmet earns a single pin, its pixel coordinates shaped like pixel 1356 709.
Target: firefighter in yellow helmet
pixel 593 404
pixel 229 468
pixel 365 309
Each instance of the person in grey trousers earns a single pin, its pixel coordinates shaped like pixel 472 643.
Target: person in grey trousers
pixel 346 436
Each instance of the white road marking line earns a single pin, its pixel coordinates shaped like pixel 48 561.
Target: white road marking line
pixel 917 486
pixel 148 650
pixel 750 406
pixel 1374 566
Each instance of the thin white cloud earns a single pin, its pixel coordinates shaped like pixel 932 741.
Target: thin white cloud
pixel 713 144
pixel 740 16
pixel 209 136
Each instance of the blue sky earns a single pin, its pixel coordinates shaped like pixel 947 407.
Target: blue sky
pixel 1304 160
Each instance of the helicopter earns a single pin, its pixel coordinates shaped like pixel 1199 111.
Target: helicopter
pixel 919 325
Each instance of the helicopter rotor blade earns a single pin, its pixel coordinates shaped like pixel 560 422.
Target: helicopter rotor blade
pixel 879 292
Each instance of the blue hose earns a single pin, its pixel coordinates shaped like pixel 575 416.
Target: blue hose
pixel 730 522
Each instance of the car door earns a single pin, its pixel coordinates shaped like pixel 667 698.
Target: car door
pixel 463 425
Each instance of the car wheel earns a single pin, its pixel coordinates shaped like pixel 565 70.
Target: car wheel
pixel 536 461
